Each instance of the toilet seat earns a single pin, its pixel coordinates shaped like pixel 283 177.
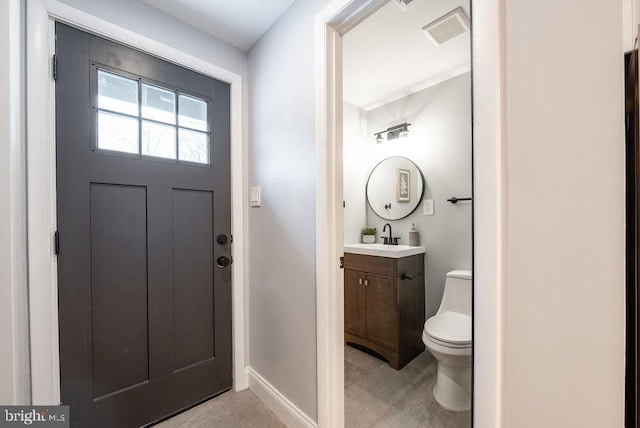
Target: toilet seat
pixel 450 329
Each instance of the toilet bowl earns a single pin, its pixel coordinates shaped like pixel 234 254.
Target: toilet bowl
pixel 447 335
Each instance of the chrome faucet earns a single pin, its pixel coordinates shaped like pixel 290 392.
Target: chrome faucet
pixel 391 240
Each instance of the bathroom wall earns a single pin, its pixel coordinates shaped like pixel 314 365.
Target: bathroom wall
pixel 440 144
pixel 355 171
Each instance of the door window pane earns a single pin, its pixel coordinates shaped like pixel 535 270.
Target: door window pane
pixel 194 146
pixel 117 93
pixel 140 118
pixel 193 113
pixel 158 104
pixel 158 140
pixel 117 132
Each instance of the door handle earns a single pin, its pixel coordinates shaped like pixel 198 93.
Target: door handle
pixel 366 282
pixel 223 262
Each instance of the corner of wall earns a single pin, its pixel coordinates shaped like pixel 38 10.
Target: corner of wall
pixel 289 413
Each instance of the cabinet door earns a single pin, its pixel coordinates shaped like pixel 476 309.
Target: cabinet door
pixel 382 311
pixel 354 302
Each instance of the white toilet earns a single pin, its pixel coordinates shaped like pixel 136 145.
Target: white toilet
pixel 447 335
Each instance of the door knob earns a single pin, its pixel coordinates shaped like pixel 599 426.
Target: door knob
pixel 223 262
pixel 222 239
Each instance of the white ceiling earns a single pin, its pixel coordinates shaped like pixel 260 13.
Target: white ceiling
pixel 387 56
pixel 240 23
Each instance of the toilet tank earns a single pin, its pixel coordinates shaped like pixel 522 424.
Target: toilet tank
pixel 457 292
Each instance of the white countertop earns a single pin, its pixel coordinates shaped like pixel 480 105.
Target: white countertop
pixel 382 250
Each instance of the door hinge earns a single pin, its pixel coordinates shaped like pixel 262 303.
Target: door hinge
pixel 56 243
pixel 231 239
pixel 342 262
pixel 54 67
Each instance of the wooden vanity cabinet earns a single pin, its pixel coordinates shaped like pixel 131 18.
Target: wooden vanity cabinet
pixel 384 305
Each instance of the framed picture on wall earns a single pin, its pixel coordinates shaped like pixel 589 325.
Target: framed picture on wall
pixel 403 185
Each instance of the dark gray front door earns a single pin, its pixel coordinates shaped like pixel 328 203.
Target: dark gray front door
pixel 143 187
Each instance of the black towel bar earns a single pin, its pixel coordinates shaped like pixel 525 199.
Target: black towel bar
pixel 455 200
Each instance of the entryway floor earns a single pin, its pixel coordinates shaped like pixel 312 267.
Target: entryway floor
pixel 229 410
pixel 378 396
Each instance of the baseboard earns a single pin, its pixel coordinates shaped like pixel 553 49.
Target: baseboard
pixel 284 409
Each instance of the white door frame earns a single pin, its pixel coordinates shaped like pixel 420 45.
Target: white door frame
pixel 41 175
pixel 488 181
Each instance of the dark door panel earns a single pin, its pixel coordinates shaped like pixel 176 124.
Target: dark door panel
pixel 119 287
pixel 193 268
pixel 144 313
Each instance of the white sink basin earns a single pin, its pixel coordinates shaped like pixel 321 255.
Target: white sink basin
pixel 381 250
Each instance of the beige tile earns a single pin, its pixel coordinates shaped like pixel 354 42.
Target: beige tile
pixel 357 415
pixel 348 349
pixel 381 389
pixel 230 410
pixel 352 373
pixel 419 409
pixel 364 361
pixel 423 361
pixel 385 397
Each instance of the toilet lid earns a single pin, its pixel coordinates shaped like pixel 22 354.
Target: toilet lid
pixel 450 327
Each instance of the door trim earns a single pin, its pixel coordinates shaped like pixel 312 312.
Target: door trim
pixel 41 185
pixel 489 207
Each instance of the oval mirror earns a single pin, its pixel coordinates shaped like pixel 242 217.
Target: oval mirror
pixel 395 188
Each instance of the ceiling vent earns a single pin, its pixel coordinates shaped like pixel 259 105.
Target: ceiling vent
pixel 447 27
pixel 405 4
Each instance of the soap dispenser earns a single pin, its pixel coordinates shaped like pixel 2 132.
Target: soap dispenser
pixel 413 236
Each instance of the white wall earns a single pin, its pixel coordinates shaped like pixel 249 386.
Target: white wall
pixel 141 18
pixel 282 247
pixel 14 345
pixel 355 171
pixel 564 344
pixel 629 24
pixel 565 214
pixel 440 144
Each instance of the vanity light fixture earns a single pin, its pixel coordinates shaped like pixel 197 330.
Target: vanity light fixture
pixel 398 131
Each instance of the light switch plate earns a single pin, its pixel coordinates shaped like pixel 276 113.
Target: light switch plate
pixel 427 207
pixel 255 199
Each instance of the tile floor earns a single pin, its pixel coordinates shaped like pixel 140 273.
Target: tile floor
pixel 229 410
pixel 378 396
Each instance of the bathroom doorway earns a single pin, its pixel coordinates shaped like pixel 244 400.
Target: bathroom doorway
pixel 407 177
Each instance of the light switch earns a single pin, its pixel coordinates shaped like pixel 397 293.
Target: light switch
pixel 427 207
pixel 254 198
